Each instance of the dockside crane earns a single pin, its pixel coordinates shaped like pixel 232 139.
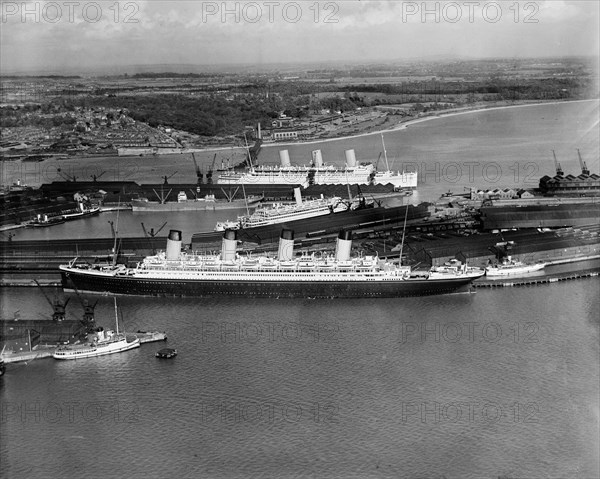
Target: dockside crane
pixel 58 306
pixel 95 177
pixel 559 171
pixel 151 234
pixel 199 174
pixel 253 151
pixel 167 178
pixel 584 168
pixel 209 173
pixel 88 319
pixel 66 176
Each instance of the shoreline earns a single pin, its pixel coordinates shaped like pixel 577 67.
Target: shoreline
pixel 402 125
pixel 414 121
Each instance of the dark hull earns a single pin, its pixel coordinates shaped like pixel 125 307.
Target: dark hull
pixel 292 289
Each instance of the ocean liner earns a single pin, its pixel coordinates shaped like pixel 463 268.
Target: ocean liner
pixel 280 212
pixel 318 174
pixel 178 273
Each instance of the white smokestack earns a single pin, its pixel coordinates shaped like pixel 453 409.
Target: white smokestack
pixel 284 157
pixel 286 246
pixel 350 159
pixel 229 246
pixel 173 245
pixel 317 158
pixel 259 134
pixel 298 195
pixel 343 246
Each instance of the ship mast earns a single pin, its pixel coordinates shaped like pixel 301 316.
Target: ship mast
pixel 115 232
pixel 116 315
pixel 387 165
pixel 248 152
pixel 403 233
pixel 250 164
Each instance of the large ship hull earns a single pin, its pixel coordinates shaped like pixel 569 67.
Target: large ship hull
pixel 315 177
pixel 192 205
pixel 95 283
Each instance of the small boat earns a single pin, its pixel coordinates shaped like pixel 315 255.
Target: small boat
pixel 43 221
pixel 166 353
pixel 103 342
pixel 82 212
pixel 511 267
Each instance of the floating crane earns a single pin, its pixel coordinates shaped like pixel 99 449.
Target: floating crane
pixel 199 174
pixel 584 168
pixel 559 171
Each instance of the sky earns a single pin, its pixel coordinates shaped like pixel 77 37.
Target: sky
pixel 72 35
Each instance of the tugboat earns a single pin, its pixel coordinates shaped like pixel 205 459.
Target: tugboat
pixel 166 353
pixel 511 267
pixel 43 221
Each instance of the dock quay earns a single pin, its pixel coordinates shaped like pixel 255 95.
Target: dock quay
pixel 38 352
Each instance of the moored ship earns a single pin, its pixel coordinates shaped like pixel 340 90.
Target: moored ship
pixel 280 213
pixel 102 343
pixel 183 203
pixel 318 173
pixel 511 267
pixel 177 273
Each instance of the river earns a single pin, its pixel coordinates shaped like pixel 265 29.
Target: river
pixel 501 382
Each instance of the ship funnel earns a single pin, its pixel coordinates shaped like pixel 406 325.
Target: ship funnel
pixel 228 249
pixel 173 245
pixel 284 157
pixel 343 246
pixel 286 246
pixel 317 158
pixel 298 195
pixel 350 159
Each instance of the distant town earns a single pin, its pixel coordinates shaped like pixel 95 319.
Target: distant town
pixel 154 111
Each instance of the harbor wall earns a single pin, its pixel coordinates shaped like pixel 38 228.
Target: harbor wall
pixel 540 216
